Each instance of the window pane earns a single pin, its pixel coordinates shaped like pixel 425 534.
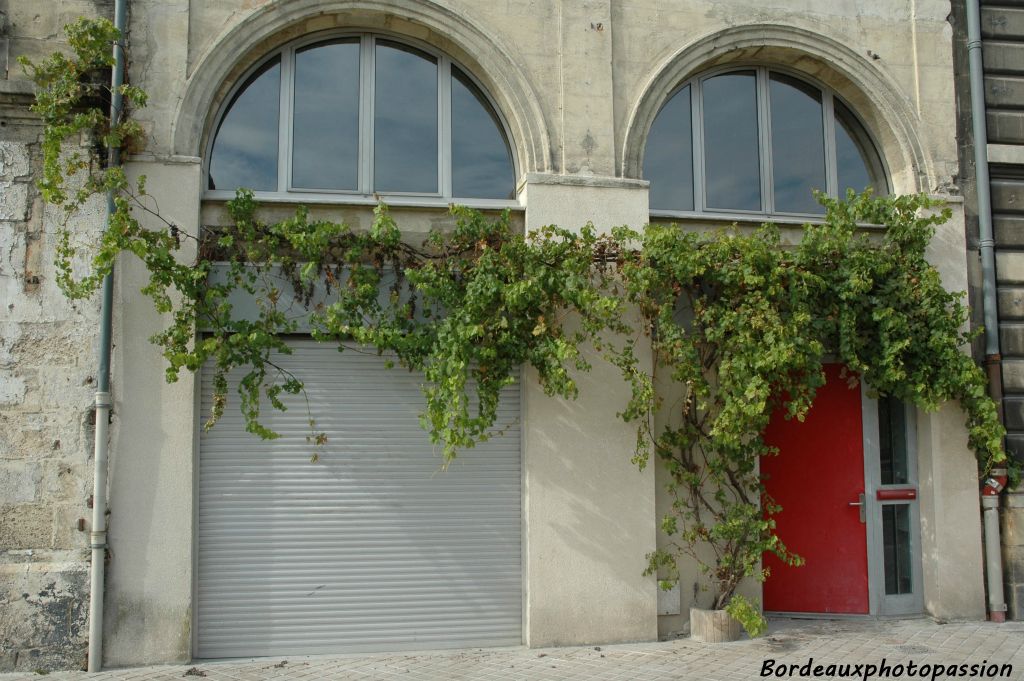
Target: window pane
pixel 405 120
pixel 731 157
pixel 798 145
pixel 481 159
pixel 892 430
pixel 245 147
pixel 325 126
pixel 668 157
pixel 896 548
pixel 857 162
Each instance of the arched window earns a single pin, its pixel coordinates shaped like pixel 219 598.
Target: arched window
pixel 758 141
pixel 361 115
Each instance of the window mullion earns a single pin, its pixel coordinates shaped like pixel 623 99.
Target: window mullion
pixel 444 123
pixel 829 128
pixel 697 133
pixel 284 135
pixel 764 143
pixel 366 113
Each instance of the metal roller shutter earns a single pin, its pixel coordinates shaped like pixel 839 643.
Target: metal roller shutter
pixel 373 548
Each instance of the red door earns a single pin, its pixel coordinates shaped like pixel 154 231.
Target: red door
pixel 819 471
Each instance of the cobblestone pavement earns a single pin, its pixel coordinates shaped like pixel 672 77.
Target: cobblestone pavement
pixel 789 642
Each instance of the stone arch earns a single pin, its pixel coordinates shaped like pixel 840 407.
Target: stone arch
pixel 273 25
pixel 876 98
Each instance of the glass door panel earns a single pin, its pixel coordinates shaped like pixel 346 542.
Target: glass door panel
pixel 892 512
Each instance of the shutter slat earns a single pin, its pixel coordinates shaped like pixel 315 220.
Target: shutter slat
pixel 372 548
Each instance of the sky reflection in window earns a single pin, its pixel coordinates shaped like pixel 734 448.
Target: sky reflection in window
pixel 731 156
pixel 481 159
pixel 245 148
pixel 405 120
pixel 325 127
pixel 668 154
pixel 798 145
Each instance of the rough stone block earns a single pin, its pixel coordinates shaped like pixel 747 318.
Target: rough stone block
pixel 320 23
pixel 41 435
pixel 1013 528
pixel 12 250
pixel 12 388
pixel 43 615
pixel 65 387
pixel 13 201
pixel 1011 338
pixel 25 526
pixel 1013 411
pixel 1009 231
pixel 1013 560
pixel 53 344
pixel 1013 375
pixel 66 534
pixel 1013 564
pixel 1015 445
pixel 1005 127
pixel 61 480
pixel 14 160
pixel 1011 302
pixel 1015 602
pixel 19 482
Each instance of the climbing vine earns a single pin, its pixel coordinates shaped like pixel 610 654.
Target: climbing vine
pixel 740 324
pixel 741 327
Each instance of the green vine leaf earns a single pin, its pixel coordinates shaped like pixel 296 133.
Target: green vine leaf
pixel 739 324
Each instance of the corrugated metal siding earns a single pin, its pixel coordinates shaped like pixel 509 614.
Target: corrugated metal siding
pixel 373 547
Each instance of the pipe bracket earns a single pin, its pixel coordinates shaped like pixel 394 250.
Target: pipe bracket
pixel 98 539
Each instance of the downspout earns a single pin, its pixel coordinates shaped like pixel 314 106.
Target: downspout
pixel 993 360
pixel 98 533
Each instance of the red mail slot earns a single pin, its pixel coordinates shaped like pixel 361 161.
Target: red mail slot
pixel 895 494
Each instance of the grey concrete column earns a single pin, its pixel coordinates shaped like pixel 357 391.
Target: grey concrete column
pixel 590 516
pixel 586 92
pixel 149 582
pixel 950 517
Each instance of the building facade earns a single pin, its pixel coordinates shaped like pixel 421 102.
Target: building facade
pixel 560 99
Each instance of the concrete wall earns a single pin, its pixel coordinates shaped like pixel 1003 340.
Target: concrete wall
pixel 693 590
pixel 589 511
pixel 950 520
pixel 579 83
pixel 149 583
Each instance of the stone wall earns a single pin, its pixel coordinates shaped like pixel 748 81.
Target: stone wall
pixel 47 374
pixel 1002 41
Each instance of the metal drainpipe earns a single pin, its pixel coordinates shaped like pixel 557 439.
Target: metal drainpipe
pixel 990 502
pixel 98 533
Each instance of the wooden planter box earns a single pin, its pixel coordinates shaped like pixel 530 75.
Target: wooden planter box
pixel 713 626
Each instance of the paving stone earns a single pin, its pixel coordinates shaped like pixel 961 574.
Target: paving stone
pixel 788 642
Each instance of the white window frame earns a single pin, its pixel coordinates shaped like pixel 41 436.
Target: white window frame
pixel 762 73
pixel 883 604
pixel 363 194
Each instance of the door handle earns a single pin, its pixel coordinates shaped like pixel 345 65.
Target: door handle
pixel 860 504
